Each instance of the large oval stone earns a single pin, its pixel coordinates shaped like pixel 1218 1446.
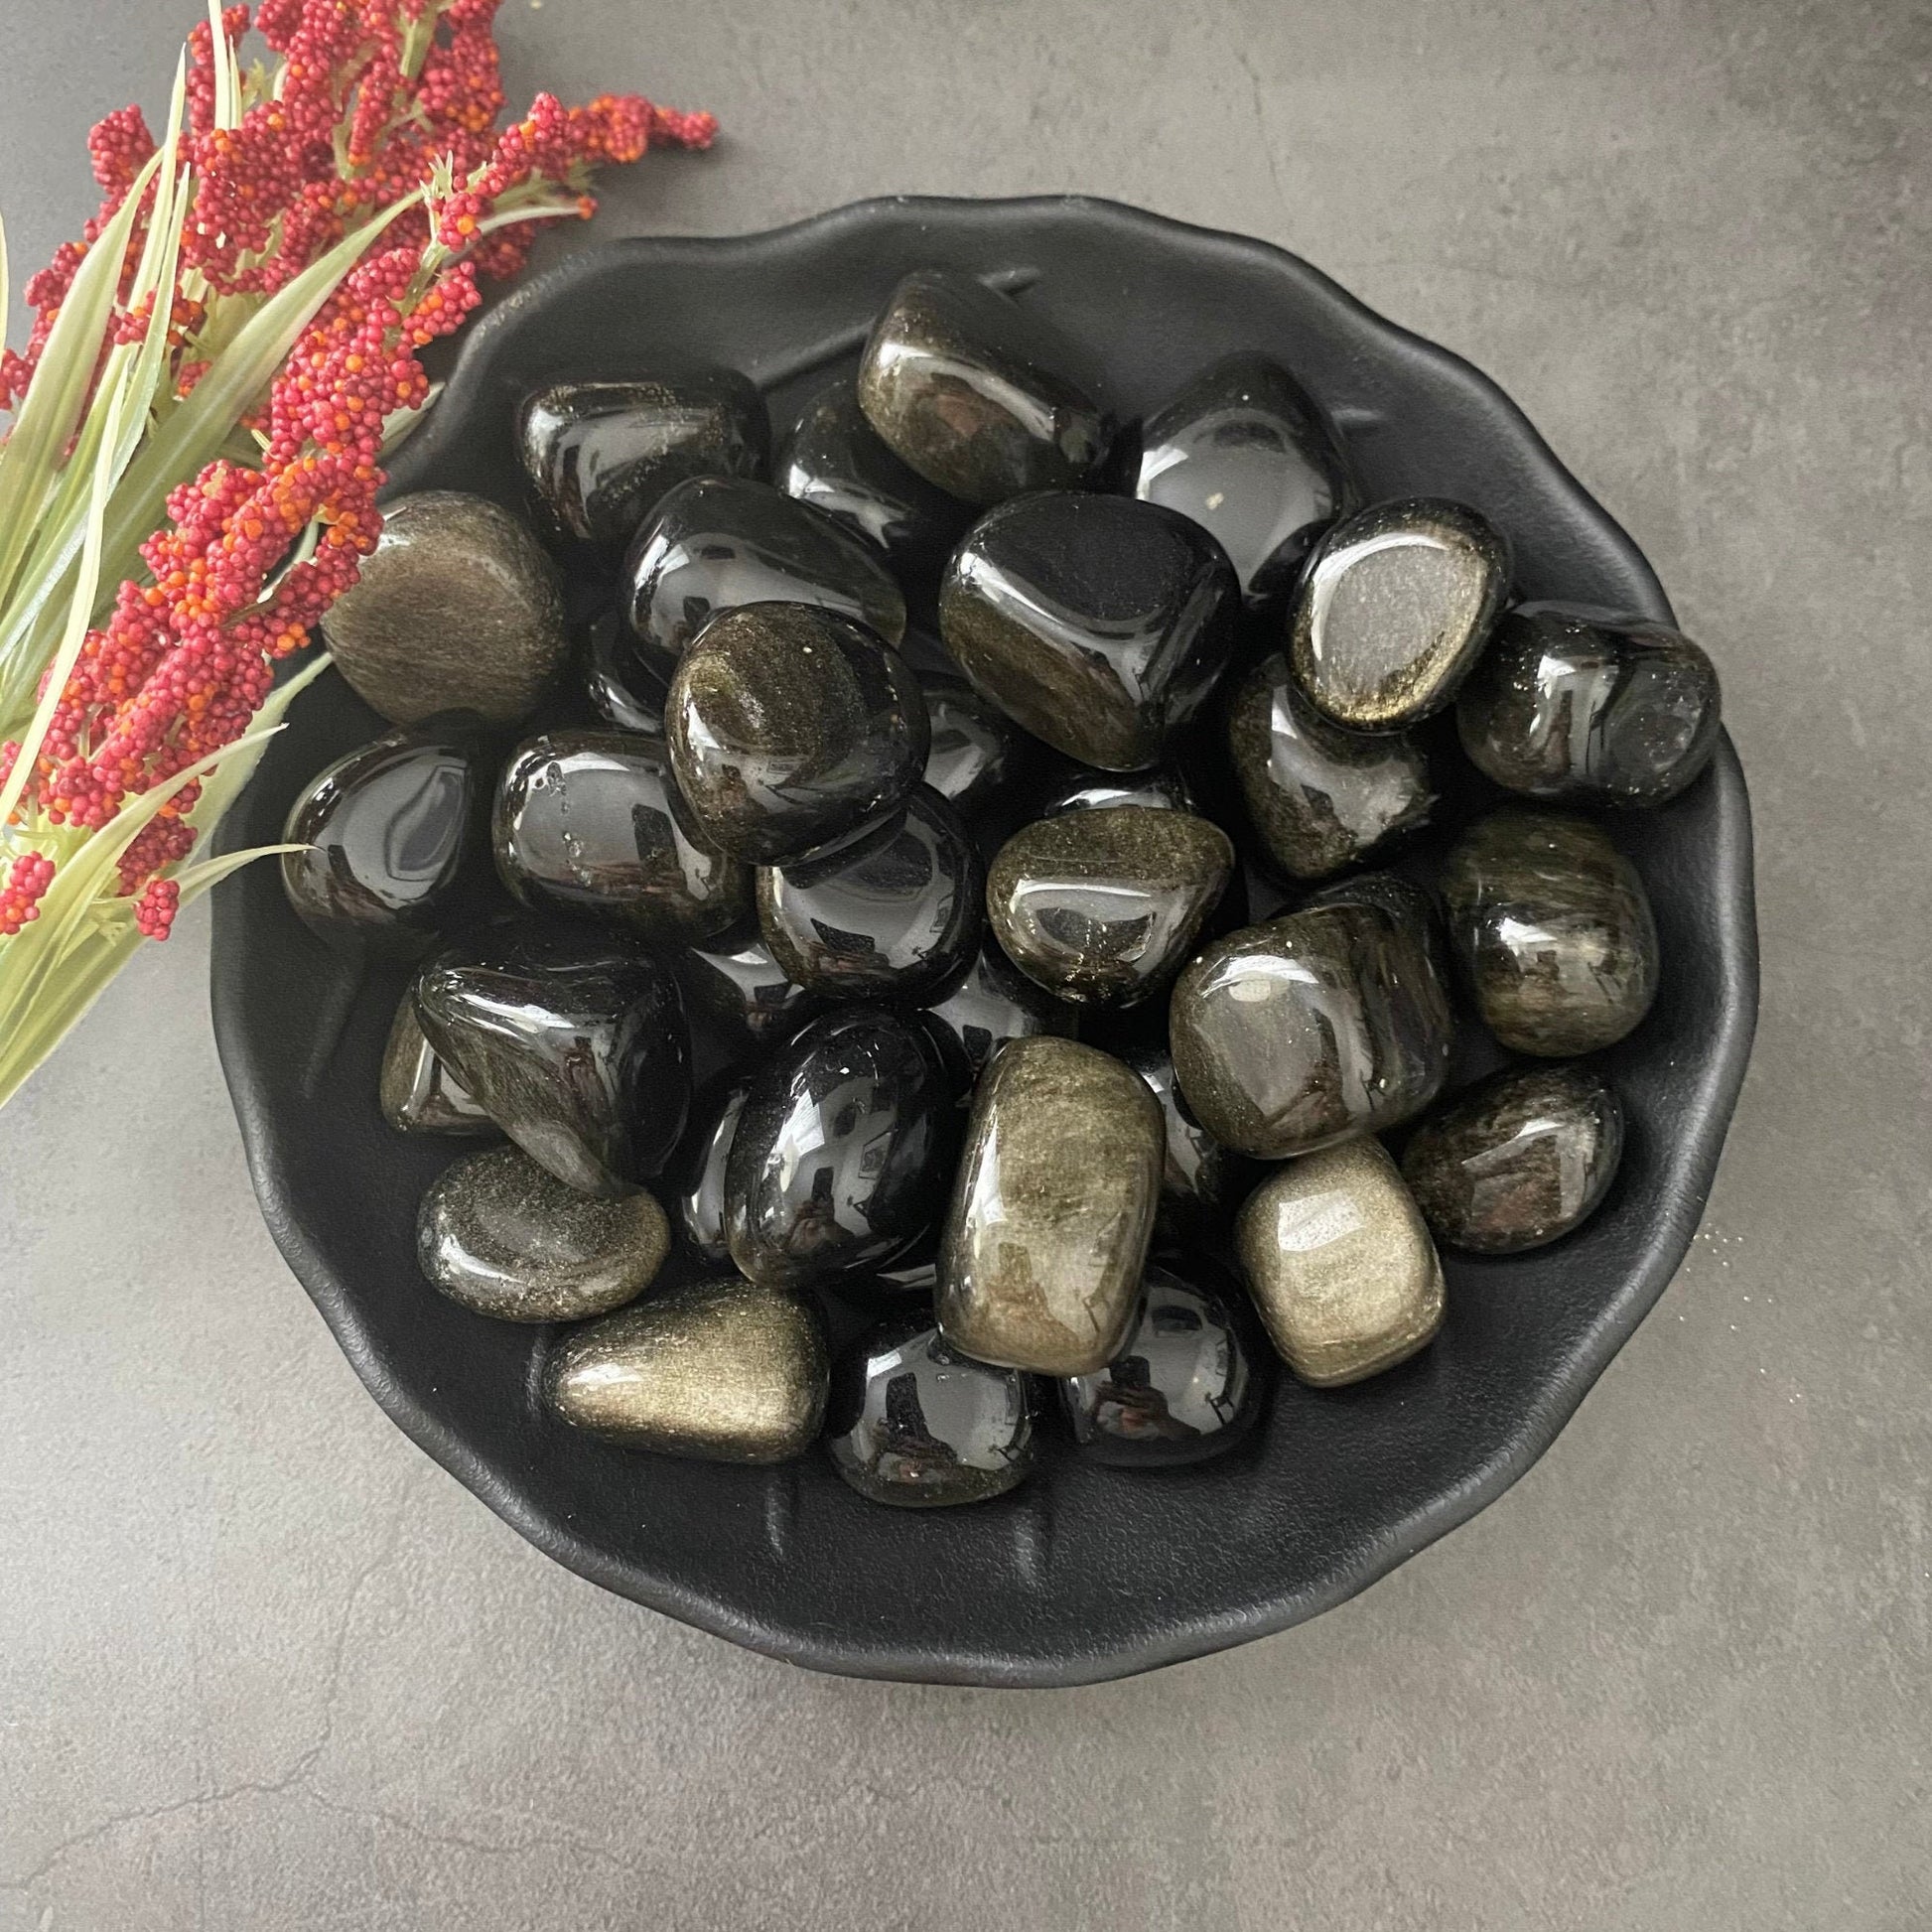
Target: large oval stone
pixel 417 1093
pixel 1039 1266
pixel 458 609
pixel 742 993
pixel 697 1192
pixel 991 1004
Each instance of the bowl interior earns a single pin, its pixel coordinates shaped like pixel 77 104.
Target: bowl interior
pixel 1084 1571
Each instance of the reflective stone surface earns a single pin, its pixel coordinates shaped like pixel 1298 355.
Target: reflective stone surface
pixel 1340 1265
pixel 623 690
pixel 1320 798
pixel 790 727
pixel 1413 908
pixel 978 754
pixel 1052 1210
pixel 578 1050
pixel 418 1094
pixel 456 610
pixel 697 1181
pixel 1185 1385
pixel 592 823
pixel 1573 703
pixel 1308 1028
pixel 1245 452
pixel 1101 906
pixel 993 1002
pixel 1393 610
pixel 891 916
pixel 394 834
pixel 1098 623
pixel 1161 788
pixel 728 1370
pixel 736 988
pixel 972 390
pixel 911 1421
pixel 1553 928
pixel 1200 1179
pixel 1519 1160
pixel 507 1238
pixel 601 456
pixel 843 1151
pixel 716 542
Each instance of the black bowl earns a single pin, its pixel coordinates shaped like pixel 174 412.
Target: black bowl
pixel 1084 1573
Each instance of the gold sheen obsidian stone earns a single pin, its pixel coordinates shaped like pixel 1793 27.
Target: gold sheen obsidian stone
pixel 725 1370
pixel 458 609
pixel 1553 929
pixel 1052 1210
pixel 417 1093
pixel 1340 1263
pixel 1100 906
pixel 504 1238
pixel 1392 609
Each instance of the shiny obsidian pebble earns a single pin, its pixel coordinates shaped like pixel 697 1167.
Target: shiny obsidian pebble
pixel 972 390
pixel 1160 786
pixel 1098 623
pixel 601 455
pixel 892 915
pixel 1519 1160
pixel 623 690
pixel 393 835
pixel 1575 704
pixel 1252 457
pixel 742 993
pixel 790 727
pixel 992 1002
pixel 911 1422
pixel 696 1189
pixel 1187 1384
pixel 1410 905
pixel 1201 1181
pixel 978 754
pixel 417 1093
pixel 718 542
pixel 843 1151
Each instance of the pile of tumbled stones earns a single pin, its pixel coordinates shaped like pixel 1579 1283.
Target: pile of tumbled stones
pixel 1045 1003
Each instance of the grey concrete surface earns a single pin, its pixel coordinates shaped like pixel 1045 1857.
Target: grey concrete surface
pixel 262 1666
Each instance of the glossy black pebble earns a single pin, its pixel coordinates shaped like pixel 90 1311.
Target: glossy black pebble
pixel 843 1154
pixel 1575 704
pixel 993 1002
pixel 1252 457
pixel 697 1177
pixel 1098 623
pixel 1160 786
pixel 1518 1161
pixel 912 1422
pixel 417 1093
pixel 972 390
pixel 734 986
pixel 892 915
pixel 623 690
pixel 1201 1181
pixel 978 755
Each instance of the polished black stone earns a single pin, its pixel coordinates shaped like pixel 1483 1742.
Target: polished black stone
pixel 577 1048
pixel 1553 929
pixel 623 690
pixel 1202 1181
pixel 1161 788
pixel 1580 705
pixel 844 1149
pixel 893 914
pixel 979 757
pixel 592 823
pixel 742 993
pixel 601 456
pixel 716 542
pixel 973 391
pixel 913 1423
pixel 791 727
pixel 697 1175
pixel 1252 457
pixel 1187 1385
pixel 992 1004
pixel 394 835
pixel 418 1094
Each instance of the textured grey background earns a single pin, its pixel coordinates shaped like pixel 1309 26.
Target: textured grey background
pixel 264 1666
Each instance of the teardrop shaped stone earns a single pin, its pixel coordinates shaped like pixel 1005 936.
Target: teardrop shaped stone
pixel 1047 1237
pixel 1102 908
pixel 979 755
pixel 418 1094
pixel 911 1421
pixel 1321 798
pixel 973 391
pixel 1518 1161
pixel 601 456
pixel 893 914
pixel 623 690
pixel 843 1149
pixel 718 542
pixel 577 1050
pixel 458 609
pixel 735 987
pixel 592 823
pixel 1200 1179
pixel 1245 452
pixel 1393 610
pixel 728 1371
pixel 1553 928
pixel 505 1238
pixel 1322 1025
pixel 1184 1386
pixel 697 1191
pixel 1577 704
pixel 790 727
pixel 1340 1263
pixel 1098 623
pixel 992 1004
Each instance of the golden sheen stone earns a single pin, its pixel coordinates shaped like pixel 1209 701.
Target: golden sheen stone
pixel 1340 1263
